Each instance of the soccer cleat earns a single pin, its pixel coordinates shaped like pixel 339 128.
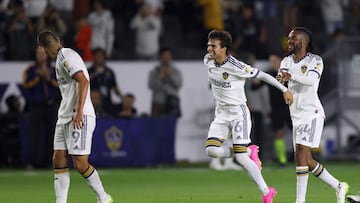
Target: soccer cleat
pixel 341 191
pixel 109 199
pixel 254 150
pixel 353 198
pixel 270 196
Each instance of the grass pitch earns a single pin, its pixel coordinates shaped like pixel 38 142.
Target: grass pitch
pixel 174 185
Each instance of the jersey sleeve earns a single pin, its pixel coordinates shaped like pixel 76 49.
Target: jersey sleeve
pixel 316 66
pixel 244 70
pixel 284 65
pixel 73 64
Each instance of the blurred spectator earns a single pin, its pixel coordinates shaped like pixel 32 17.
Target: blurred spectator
pixel 189 12
pixel 102 24
pixel 82 39
pixel 164 81
pixel 35 8
pixel 333 14
pixel 50 19
pixel 156 5
pixel 81 9
pixel 250 34
pixel 43 97
pixel 329 79
pixel 2 30
pixel 291 9
pixel 147 27
pixel 280 115
pixel 259 106
pixel 10 133
pixel 98 105
pixel 353 20
pixel 19 30
pixel 65 8
pixel 212 16
pixel 230 8
pixel 126 109
pixel 102 78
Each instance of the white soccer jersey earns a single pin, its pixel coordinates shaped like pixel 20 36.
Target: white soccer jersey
pixel 228 80
pixel 304 84
pixel 68 63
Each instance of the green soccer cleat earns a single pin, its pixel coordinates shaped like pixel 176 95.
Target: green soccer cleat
pixel 109 199
pixel 342 189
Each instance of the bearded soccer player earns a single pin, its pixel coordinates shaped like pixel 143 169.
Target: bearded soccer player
pixel 303 69
pixel 76 119
pixel 232 117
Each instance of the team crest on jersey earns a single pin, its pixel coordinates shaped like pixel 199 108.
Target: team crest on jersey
pixel 303 68
pixel 114 138
pixel 248 69
pixel 225 75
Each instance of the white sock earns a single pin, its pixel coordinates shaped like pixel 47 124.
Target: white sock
pixel 219 152
pixel 320 172
pixel 61 184
pixel 253 170
pixel 93 179
pixel 302 176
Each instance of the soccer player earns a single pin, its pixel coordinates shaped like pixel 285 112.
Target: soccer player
pixel 232 117
pixel 303 69
pixel 76 119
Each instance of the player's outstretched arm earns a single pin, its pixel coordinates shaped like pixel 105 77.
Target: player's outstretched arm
pixel 272 81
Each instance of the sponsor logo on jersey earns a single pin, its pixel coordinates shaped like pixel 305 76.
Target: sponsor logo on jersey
pixel 114 138
pixel 303 68
pixel 225 75
pixel 220 84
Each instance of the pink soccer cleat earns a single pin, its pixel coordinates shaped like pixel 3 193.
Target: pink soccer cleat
pixel 270 196
pixel 254 149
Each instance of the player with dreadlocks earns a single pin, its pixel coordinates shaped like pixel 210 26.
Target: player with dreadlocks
pixel 302 70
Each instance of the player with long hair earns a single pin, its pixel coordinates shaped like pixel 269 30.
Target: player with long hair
pixel 302 69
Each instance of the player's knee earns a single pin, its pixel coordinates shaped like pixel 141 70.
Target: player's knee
pixel 80 164
pixel 213 145
pixel 213 151
pixel 60 159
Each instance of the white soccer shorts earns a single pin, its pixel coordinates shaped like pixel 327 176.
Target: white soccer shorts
pixel 76 141
pixel 309 132
pixel 234 123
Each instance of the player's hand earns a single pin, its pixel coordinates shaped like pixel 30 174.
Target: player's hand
pixel 279 77
pixel 78 119
pixel 288 97
pixel 286 76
